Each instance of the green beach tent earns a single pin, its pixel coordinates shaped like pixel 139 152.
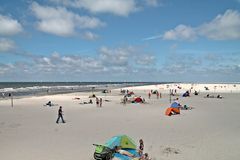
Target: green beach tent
pixel 122 140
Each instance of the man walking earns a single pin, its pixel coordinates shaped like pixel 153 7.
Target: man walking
pixel 60 115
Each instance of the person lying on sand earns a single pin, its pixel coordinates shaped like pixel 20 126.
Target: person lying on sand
pixel 219 96
pixel 90 102
pixel 50 104
pixel 209 96
pixel 118 149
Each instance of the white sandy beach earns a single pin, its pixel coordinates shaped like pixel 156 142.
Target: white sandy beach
pixel 209 131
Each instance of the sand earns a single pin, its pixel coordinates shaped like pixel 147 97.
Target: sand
pixel 209 131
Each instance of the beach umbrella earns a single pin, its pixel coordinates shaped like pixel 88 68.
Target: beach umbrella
pixel 122 140
pixel 174 105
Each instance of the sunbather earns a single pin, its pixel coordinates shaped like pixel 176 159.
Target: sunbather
pixel 49 104
pixel 119 149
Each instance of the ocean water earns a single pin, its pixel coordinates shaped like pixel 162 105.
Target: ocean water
pixel 44 88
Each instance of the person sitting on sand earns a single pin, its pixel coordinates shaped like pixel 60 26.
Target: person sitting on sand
pixel 196 93
pixel 118 149
pixel 177 101
pixel 90 101
pixel 220 97
pixel 145 156
pixel 49 104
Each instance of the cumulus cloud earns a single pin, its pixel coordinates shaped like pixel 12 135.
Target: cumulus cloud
pixel 223 27
pixel 60 21
pixel 181 32
pixel 116 57
pixel 6 45
pixel 90 36
pixel 120 61
pixel 145 60
pixel 117 7
pixel 125 56
pixel 9 26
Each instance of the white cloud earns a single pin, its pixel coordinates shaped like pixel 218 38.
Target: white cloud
pixel 9 26
pixel 6 45
pixel 116 57
pixel 125 57
pixel 60 21
pixel 145 60
pixel 90 36
pixel 120 61
pixel 181 32
pixel 117 7
pixel 223 27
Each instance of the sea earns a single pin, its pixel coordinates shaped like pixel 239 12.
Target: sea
pixel 18 89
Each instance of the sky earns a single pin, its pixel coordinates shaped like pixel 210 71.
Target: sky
pixel 120 40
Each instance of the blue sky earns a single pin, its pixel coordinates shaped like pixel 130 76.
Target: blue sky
pixel 120 40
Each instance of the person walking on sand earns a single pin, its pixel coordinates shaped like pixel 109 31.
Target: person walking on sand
pixel 60 115
pixel 157 95
pixel 149 95
pixel 100 102
pixel 97 101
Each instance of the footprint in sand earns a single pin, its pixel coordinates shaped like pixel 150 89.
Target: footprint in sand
pixel 170 151
pixel 150 147
pixel 14 125
pixel 2 123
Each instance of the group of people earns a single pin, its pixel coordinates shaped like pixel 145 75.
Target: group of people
pixel 212 96
pixel 140 156
pixel 99 102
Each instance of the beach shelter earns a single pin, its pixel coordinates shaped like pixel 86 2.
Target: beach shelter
pixel 155 92
pixel 122 140
pixel 168 112
pixel 138 100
